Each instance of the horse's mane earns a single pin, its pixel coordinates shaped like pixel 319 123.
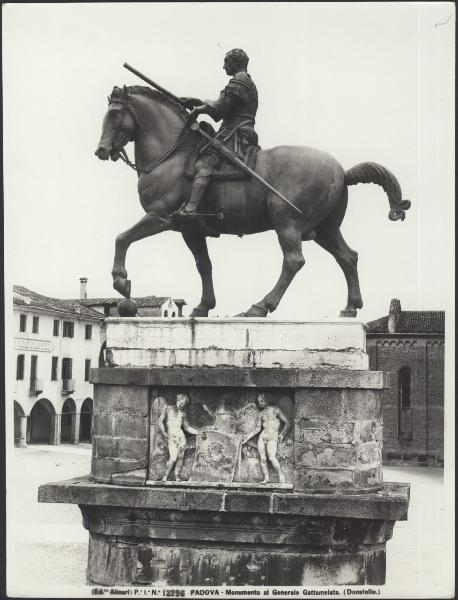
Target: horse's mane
pixel 159 97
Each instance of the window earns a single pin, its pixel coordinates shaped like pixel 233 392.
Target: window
pixel 68 329
pixel 173 314
pixel 166 314
pixel 54 363
pixel 23 323
pixel 20 367
pixel 35 324
pixel 87 369
pixel 33 366
pixel 67 368
pixel 55 327
pixel 88 332
pixel 404 404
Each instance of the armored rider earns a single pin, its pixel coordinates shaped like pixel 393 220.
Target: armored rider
pixel 236 106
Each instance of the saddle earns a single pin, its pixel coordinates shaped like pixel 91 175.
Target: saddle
pixel 225 170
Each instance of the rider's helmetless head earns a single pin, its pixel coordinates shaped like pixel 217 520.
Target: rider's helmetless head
pixel 235 60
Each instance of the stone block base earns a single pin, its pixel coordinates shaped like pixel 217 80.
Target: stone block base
pixel 115 560
pixel 182 536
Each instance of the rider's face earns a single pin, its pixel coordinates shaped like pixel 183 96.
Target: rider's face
pixel 229 66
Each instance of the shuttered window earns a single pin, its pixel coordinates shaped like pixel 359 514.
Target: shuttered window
pixel 67 368
pixel 87 369
pixel 55 327
pixel 35 324
pixel 20 367
pixel 54 366
pixel 68 329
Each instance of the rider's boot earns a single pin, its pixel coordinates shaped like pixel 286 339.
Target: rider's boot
pixel 199 186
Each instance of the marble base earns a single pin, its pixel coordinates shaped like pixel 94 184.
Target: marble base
pixel 253 342
pixel 160 536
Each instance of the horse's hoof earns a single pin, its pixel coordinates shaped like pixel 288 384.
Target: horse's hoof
pixel 254 311
pixel 122 286
pixel 199 312
pixel 127 308
pixel 348 312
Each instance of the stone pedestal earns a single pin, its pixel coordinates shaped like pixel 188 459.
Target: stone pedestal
pixel 325 514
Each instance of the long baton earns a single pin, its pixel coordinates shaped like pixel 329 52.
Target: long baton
pixel 215 143
pixel 153 84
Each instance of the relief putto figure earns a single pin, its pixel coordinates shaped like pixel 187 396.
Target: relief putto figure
pixel 269 423
pixel 172 421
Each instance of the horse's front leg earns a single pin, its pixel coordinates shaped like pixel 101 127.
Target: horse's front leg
pixel 290 239
pixel 150 224
pixel 197 243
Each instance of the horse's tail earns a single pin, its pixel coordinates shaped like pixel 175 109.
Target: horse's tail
pixel 370 172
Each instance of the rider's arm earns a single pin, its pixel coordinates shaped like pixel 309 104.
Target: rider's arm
pixel 191 102
pixel 234 92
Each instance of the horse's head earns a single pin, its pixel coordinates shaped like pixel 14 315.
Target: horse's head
pixel 119 125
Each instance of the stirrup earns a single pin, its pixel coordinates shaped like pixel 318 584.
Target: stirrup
pixel 186 213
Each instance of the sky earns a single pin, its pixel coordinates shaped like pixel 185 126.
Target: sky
pixel 364 82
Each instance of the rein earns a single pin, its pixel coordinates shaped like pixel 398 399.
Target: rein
pixel 177 143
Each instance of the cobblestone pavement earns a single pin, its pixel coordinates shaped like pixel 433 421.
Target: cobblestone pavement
pixel 47 544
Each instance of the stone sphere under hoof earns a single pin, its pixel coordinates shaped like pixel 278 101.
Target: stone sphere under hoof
pixel 127 308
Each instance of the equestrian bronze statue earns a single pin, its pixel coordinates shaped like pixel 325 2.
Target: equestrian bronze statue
pixel 202 183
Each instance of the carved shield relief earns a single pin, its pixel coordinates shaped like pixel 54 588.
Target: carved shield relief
pixel 216 457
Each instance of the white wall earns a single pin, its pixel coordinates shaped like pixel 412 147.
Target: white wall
pixel 77 348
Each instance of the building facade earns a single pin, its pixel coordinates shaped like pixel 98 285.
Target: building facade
pixel 409 345
pixel 56 344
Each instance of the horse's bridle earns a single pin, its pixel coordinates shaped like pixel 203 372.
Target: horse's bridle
pixel 127 108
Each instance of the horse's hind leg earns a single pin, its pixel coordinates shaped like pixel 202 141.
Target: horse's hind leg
pixel 348 260
pixel 149 225
pixel 197 243
pixel 290 239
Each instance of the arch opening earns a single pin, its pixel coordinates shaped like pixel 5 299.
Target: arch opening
pixel 86 421
pixel 67 419
pixel 42 423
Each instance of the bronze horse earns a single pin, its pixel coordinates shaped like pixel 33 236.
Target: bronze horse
pixel 312 180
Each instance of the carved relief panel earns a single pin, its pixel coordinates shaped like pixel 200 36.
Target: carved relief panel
pixel 221 436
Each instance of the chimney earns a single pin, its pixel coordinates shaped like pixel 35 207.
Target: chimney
pixel 393 315
pixel 83 288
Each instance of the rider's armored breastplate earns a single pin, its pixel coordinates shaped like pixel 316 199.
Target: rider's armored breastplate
pixel 241 101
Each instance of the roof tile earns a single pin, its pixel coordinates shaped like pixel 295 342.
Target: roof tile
pixel 68 306
pixel 409 321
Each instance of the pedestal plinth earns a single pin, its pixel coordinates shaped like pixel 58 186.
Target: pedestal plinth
pixel 238 451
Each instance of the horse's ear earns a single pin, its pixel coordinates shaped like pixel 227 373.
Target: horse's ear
pixel 109 99
pixel 124 91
